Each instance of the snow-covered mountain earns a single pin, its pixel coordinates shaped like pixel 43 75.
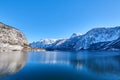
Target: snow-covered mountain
pixel 60 44
pixel 110 45
pixel 68 44
pixel 97 38
pixel 98 35
pixel 43 43
pixel 75 35
pixel 113 44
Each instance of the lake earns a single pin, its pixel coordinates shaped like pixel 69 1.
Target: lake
pixel 59 65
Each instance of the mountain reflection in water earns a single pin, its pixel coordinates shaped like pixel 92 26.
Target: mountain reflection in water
pixel 55 65
pixel 11 62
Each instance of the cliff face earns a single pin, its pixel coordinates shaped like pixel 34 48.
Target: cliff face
pixel 11 39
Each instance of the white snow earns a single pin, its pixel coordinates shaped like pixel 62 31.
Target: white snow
pixel 78 41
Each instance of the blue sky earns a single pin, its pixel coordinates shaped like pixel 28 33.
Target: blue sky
pixel 40 19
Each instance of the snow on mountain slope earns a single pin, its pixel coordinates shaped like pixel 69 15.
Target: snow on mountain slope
pixel 97 38
pixel 75 35
pixel 109 45
pixel 60 44
pixel 114 45
pixel 42 43
pixel 68 44
pixel 98 35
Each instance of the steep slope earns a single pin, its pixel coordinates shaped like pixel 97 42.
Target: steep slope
pixel 95 39
pixel 113 45
pixel 68 44
pixel 97 35
pixel 110 45
pixel 11 38
pixel 60 44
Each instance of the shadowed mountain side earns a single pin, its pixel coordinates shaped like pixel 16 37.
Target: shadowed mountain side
pixel 95 39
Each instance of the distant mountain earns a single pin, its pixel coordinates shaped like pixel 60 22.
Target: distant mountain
pixel 67 44
pixel 43 43
pixel 97 35
pixel 115 44
pixel 110 45
pixel 75 35
pixel 95 39
pixel 60 44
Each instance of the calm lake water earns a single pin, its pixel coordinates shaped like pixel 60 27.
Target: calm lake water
pixel 83 65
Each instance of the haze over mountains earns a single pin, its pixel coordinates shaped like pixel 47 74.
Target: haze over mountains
pixel 95 39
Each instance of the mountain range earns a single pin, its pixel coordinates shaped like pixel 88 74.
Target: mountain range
pixel 95 39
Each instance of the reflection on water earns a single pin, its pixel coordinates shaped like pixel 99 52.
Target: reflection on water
pixel 100 63
pixel 83 65
pixel 11 62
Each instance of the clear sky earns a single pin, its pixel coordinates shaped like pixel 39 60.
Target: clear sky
pixel 40 19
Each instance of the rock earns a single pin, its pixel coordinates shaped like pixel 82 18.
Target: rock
pixel 11 39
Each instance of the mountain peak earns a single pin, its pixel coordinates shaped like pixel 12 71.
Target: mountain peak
pixel 93 39
pixel 75 35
